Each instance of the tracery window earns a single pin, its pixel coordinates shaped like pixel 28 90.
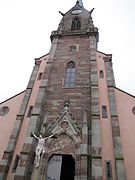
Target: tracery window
pixel 76 24
pixel 70 75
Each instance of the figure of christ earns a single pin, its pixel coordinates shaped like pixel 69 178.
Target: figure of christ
pixel 40 147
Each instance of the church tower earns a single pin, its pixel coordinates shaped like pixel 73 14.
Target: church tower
pixel 71 94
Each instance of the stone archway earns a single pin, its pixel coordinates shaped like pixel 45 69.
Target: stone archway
pixel 62 145
pixel 62 157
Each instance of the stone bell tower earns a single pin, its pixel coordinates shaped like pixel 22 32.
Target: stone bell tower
pixel 63 104
pixel 72 102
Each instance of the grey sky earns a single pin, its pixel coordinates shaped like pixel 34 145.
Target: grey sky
pixel 26 25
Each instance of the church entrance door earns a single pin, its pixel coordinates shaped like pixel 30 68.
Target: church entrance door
pixel 61 167
pixel 68 168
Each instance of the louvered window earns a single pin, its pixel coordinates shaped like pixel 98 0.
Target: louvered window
pixel 76 24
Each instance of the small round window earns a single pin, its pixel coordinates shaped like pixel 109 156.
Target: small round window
pixel 133 110
pixel 4 110
pixel 73 48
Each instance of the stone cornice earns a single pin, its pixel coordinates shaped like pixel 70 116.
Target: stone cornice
pixel 89 32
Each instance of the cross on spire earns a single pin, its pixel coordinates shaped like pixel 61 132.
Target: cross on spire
pixel 80 2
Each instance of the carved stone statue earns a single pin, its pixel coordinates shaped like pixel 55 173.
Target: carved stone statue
pixel 40 147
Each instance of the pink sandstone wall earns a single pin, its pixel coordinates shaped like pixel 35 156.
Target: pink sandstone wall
pixel 125 103
pixel 25 123
pixel 7 121
pixel 105 123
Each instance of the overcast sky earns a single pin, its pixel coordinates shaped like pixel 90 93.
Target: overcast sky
pixel 26 25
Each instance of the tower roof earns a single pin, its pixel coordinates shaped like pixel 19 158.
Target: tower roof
pixel 80 2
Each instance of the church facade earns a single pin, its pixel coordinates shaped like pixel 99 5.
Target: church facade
pixel 72 95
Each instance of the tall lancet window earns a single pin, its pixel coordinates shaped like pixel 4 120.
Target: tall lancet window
pixel 76 24
pixel 70 75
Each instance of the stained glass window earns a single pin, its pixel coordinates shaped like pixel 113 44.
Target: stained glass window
pixel 70 75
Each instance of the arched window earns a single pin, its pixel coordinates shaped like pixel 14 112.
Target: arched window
pixel 70 75
pixel 76 24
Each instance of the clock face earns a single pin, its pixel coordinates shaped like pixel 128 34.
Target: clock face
pixel 77 11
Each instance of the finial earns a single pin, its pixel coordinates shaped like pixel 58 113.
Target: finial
pixel 66 104
pixel 91 11
pixel 43 127
pixel 85 117
pixel 80 2
pixel 46 117
pixel 61 13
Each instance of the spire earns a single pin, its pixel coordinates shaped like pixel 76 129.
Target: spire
pixel 80 2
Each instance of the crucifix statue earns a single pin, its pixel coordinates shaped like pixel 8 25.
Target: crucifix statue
pixel 40 147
